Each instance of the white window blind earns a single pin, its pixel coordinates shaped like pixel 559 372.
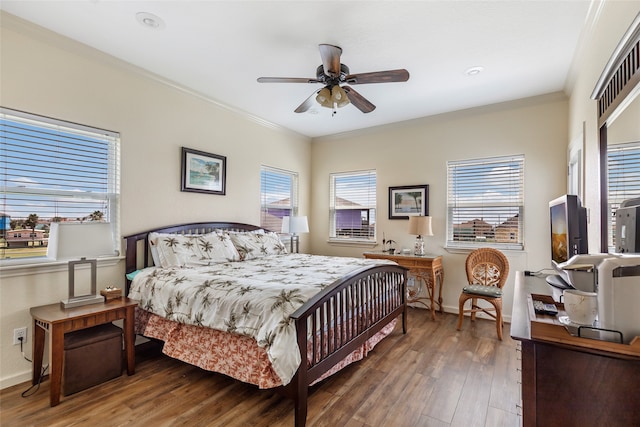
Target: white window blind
pixel 278 197
pixel 485 200
pixel 353 206
pixel 623 169
pixel 52 170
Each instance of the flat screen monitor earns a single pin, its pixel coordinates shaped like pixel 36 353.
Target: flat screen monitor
pixel 568 229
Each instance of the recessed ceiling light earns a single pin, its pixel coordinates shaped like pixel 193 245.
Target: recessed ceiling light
pixel 150 20
pixel 474 71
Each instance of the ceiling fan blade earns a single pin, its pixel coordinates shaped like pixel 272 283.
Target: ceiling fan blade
pixel 330 59
pixel 308 103
pixel 389 76
pixel 286 80
pixel 359 101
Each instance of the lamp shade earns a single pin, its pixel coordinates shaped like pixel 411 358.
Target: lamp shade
pixel 77 240
pixel 295 224
pixel 420 225
pixel 298 224
pixel 285 225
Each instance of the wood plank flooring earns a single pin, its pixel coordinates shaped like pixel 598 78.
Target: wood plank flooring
pixel 432 376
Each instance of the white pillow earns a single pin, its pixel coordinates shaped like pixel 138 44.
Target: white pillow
pixel 255 245
pixel 153 238
pixel 192 250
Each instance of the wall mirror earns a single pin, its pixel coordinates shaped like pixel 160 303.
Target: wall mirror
pixel 617 93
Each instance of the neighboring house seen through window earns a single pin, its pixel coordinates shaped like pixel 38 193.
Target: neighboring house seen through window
pixel 485 201
pixel 53 171
pixel 623 169
pixel 278 197
pixel 353 206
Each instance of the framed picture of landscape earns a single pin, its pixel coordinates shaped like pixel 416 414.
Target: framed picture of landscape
pixel 203 172
pixel 409 200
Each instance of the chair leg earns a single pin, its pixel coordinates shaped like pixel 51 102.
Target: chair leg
pixel 499 319
pixel 474 304
pixel 461 302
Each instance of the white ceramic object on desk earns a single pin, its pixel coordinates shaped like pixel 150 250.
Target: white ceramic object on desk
pixel 581 307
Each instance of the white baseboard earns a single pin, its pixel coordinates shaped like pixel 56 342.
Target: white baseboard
pixel 15 379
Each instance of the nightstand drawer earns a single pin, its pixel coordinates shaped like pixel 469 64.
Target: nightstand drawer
pixel 416 263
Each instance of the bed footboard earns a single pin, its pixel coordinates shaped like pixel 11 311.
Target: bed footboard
pixel 341 318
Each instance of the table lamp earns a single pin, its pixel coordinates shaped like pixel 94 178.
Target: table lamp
pixel 77 243
pixel 294 225
pixel 420 226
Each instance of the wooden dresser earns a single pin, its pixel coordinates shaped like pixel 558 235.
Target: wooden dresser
pixel 567 380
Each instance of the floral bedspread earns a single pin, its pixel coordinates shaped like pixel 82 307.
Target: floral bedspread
pixel 253 297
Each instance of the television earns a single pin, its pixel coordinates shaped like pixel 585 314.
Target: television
pixel 568 234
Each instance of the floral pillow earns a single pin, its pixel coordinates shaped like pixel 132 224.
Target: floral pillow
pixel 191 250
pixel 255 245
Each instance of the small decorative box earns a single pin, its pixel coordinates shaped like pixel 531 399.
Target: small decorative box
pixel 110 293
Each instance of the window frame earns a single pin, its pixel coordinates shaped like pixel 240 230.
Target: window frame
pixel 294 199
pixel 110 196
pixel 514 202
pixel 370 207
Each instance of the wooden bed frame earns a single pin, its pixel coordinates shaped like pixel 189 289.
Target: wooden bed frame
pixel 380 297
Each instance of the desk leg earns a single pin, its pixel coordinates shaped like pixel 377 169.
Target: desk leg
pixel 56 357
pixel 430 285
pixel 129 340
pixel 440 280
pixel 37 352
pixel 429 288
pixel 432 294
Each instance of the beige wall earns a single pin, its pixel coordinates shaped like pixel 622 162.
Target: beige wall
pixel 626 128
pixel 48 75
pixel 417 152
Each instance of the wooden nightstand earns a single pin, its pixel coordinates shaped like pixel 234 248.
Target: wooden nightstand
pixel 58 321
pixel 427 269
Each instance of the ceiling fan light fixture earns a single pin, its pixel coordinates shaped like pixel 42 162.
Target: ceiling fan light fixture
pixel 339 96
pixel 324 98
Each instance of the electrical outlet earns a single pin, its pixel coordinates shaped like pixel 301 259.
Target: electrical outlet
pixel 20 333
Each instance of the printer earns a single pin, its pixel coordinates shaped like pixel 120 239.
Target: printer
pixel 618 291
pixel 616 280
pixel 628 227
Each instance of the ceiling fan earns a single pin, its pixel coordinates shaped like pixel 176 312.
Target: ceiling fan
pixel 334 75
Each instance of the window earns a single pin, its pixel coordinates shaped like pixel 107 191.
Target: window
pixel 278 197
pixel 53 171
pixel 623 169
pixel 485 200
pixel 353 206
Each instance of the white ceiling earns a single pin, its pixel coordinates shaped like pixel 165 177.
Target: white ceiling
pixel 219 48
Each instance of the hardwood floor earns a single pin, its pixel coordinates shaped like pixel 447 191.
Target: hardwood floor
pixel 432 376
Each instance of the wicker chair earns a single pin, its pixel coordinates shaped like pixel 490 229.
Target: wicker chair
pixel 487 271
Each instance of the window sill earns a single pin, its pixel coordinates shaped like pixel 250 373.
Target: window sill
pixel 466 249
pixel 360 243
pixel 13 268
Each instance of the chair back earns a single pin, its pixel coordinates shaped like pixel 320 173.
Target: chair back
pixel 488 267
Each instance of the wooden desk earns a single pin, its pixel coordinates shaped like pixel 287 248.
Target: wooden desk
pixel 567 380
pixel 58 321
pixel 427 269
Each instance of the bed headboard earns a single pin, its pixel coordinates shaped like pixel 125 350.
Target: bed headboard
pixel 138 255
